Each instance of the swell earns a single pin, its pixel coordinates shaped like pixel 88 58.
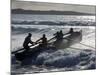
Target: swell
pixel 26 29
pixel 67 23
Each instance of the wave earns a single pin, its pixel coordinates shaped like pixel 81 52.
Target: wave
pixel 62 59
pixel 67 59
pixel 21 30
pixel 18 29
pixel 69 23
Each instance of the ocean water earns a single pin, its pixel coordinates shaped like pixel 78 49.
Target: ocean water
pixel 55 18
pixel 80 56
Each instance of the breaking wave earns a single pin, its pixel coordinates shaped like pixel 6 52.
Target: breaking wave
pixel 65 60
pixel 68 59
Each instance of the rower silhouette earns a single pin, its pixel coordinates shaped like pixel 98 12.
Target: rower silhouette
pixel 59 35
pixel 43 41
pixel 71 31
pixel 27 41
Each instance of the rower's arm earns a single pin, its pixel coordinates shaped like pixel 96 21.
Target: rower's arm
pixel 38 40
pixel 66 33
pixel 31 41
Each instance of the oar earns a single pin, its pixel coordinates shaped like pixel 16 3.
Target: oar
pixel 16 51
pixel 66 33
pixel 54 37
pixel 51 39
pixel 21 49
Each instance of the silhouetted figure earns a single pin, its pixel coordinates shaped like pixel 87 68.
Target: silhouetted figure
pixel 71 31
pixel 27 41
pixel 57 36
pixel 44 41
pixel 61 34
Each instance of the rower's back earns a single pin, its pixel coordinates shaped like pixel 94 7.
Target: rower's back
pixel 44 41
pixel 60 35
pixel 71 31
pixel 27 40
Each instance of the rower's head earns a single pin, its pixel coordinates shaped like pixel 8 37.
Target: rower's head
pixel 44 35
pixel 57 32
pixel 71 29
pixel 60 31
pixel 29 34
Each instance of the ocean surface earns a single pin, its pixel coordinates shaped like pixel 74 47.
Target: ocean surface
pixel 80 56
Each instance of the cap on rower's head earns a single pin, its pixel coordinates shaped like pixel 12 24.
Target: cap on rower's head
pixel 29 34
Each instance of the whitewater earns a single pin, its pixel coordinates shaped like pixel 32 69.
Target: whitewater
pixel 80 56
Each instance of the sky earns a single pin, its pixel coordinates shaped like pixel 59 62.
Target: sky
pixel 44 6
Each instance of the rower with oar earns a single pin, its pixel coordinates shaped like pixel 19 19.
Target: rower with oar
pixel 59 35
pixel 70 31
pixel 27 41
pixel 43 42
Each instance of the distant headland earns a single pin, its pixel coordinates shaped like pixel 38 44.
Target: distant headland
pixel 50 12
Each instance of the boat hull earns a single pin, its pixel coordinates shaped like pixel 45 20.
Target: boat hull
pixel 33 52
